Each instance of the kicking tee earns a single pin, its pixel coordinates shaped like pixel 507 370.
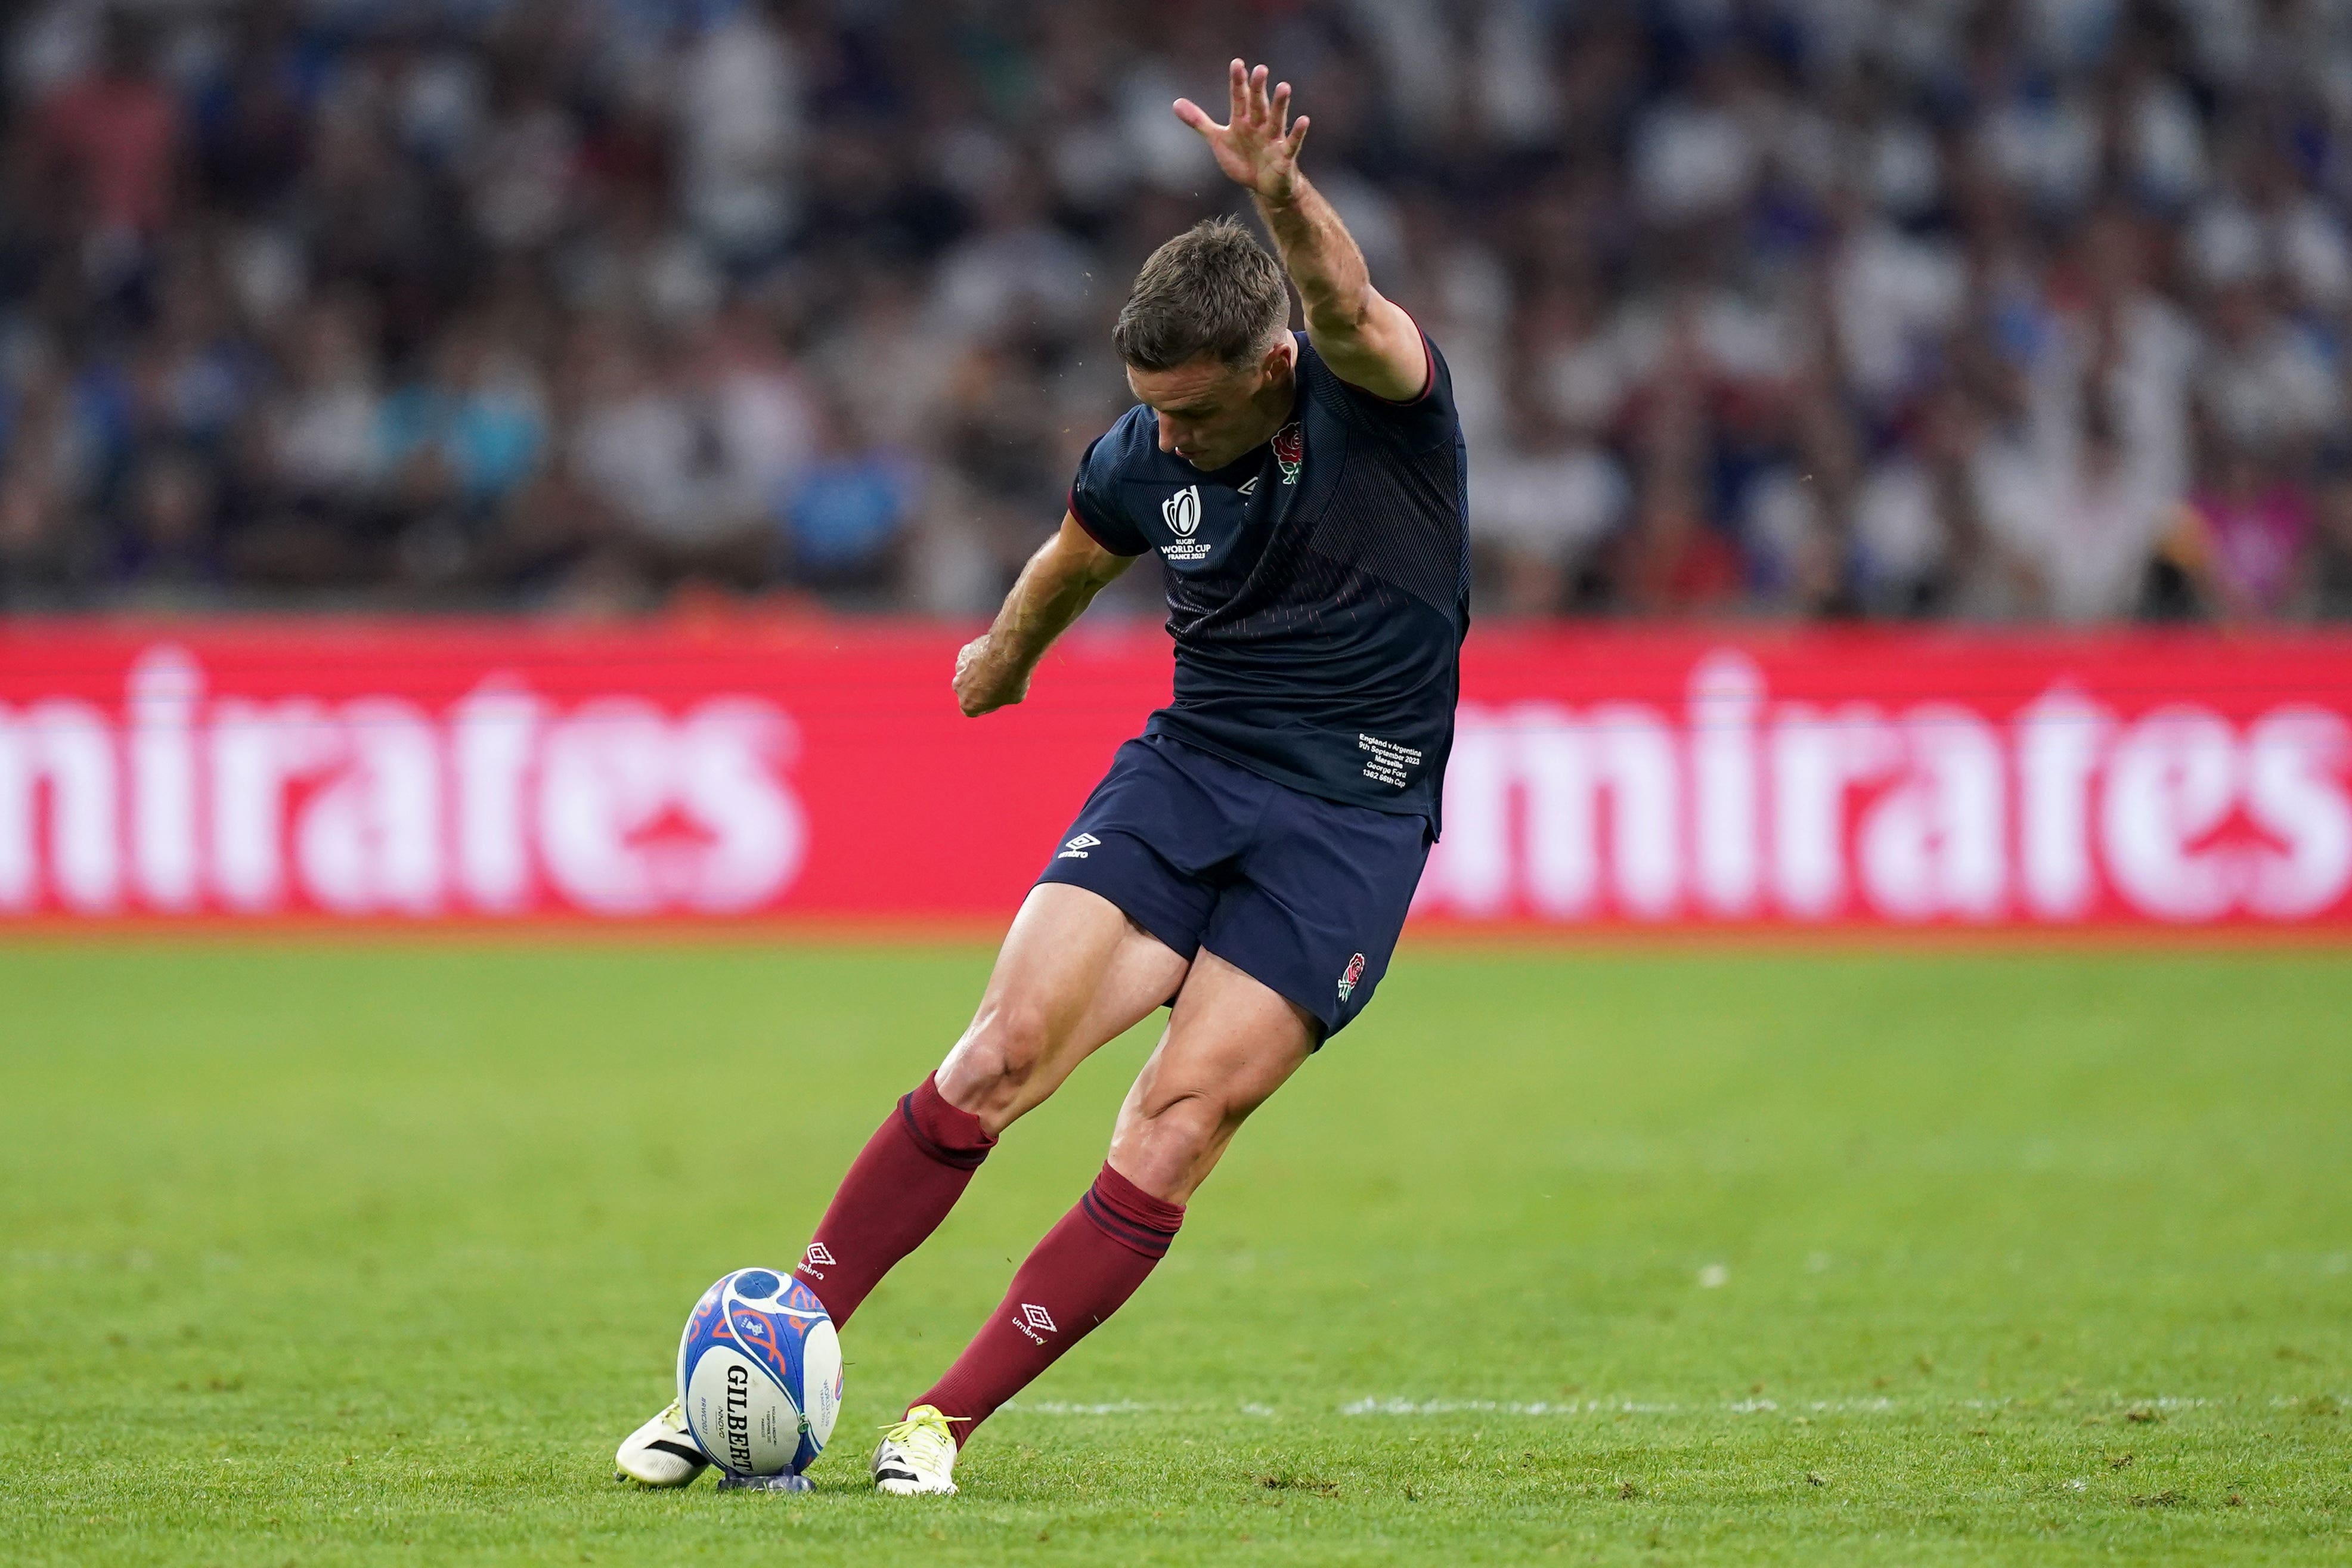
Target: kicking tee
pixel 1319 588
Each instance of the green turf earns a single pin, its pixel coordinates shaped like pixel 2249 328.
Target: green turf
pixel 322 1254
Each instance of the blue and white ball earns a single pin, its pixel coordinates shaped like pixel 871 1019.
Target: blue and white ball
pixel 758 1374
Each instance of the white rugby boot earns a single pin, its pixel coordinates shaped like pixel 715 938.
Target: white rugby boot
pixel 917 1455
pixel 661 1453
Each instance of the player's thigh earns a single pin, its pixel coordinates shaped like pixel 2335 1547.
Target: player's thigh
pixel 1322 900
pixel 1074 974
pixel 1231 1042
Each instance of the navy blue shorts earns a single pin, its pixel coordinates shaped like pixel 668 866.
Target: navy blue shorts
pixel 1302 894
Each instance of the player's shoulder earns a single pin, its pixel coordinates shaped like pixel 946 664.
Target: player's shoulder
pixel 1417 422
pixel 1132 442
pixel 1128 450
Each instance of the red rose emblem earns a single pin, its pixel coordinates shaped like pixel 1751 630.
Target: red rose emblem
pixel 1289 444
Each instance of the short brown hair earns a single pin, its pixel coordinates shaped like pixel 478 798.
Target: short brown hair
pixel 1211 291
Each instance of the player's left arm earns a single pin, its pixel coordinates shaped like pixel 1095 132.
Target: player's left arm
pixel 1367 341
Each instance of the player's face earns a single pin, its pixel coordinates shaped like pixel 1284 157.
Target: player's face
pixel 1211 413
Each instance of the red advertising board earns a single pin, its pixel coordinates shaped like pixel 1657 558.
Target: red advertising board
pixel 510 771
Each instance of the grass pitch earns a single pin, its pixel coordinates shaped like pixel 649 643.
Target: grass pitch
pixel 319 1254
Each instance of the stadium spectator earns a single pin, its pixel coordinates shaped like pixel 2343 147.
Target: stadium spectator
pixel 1782 308
pixel 2084 518
pixel 2326 590
pixel 2244 530
pixel 845 513
pixel 167 557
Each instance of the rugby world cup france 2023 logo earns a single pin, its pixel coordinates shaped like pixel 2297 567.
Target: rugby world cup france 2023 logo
pixel 1182 511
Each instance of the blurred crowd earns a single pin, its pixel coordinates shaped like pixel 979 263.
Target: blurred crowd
pixel 1984 308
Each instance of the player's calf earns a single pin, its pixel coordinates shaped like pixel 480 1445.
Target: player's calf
pixel 1083 1271
pixel 900 1188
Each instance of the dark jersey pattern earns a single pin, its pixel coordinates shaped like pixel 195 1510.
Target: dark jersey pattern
pixel 1319 588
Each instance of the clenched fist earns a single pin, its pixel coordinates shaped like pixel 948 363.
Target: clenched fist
pixel 983 682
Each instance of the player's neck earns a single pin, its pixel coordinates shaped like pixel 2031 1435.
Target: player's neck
pixel 1272 403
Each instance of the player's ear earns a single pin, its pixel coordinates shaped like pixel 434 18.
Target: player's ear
pixel 1278 357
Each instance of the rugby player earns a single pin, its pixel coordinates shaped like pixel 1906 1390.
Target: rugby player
pixel 1247 861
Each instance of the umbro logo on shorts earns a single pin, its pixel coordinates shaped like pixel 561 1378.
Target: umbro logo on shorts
pixel 1075 850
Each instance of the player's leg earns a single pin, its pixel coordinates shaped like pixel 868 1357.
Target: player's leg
pixel 1241 1041
pixel 1074 974
pixel 1231 1042
pixel 1106 936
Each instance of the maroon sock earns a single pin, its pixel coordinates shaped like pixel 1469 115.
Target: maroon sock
pixel 902 1184
pixel 1086 1266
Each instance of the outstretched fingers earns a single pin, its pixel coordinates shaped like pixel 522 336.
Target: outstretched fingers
pixel 1260 123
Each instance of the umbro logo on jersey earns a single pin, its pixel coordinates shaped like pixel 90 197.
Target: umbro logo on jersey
pixel 1182 512
pixel 1038 1317
pixel 1075 850
pixel 1249 485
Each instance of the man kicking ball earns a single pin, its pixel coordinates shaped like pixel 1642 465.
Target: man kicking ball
pixel 1249 859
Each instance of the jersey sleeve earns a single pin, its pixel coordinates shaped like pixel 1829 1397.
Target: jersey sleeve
pixel 1419 423
pixel 1092 498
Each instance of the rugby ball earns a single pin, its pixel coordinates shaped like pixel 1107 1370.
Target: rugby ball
pixel 758 1374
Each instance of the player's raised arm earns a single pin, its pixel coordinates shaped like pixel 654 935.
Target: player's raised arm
pixel 1061 579
pixel 1367 341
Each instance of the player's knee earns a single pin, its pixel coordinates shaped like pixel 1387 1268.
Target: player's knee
pixel 992 1066
pixel 1170 1137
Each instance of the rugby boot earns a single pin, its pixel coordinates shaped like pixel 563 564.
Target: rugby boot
pixel 917 1455
pixel 661 1453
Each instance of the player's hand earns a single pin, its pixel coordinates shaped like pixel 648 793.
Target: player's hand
pixel 982 683
pixel 1258 148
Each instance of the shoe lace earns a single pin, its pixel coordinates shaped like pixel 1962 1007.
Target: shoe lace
pixel 925 1435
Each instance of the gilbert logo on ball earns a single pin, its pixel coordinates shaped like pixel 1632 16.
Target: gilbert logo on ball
pixel 758 1374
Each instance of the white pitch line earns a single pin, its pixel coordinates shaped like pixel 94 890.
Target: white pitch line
pixel 1879 1404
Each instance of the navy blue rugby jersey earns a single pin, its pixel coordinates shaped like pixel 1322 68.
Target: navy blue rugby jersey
pixel 1319 588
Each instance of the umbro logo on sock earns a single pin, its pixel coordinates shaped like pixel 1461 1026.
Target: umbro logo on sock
pixel 815 1256
pixel 1036 1322
pixel 1075 850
